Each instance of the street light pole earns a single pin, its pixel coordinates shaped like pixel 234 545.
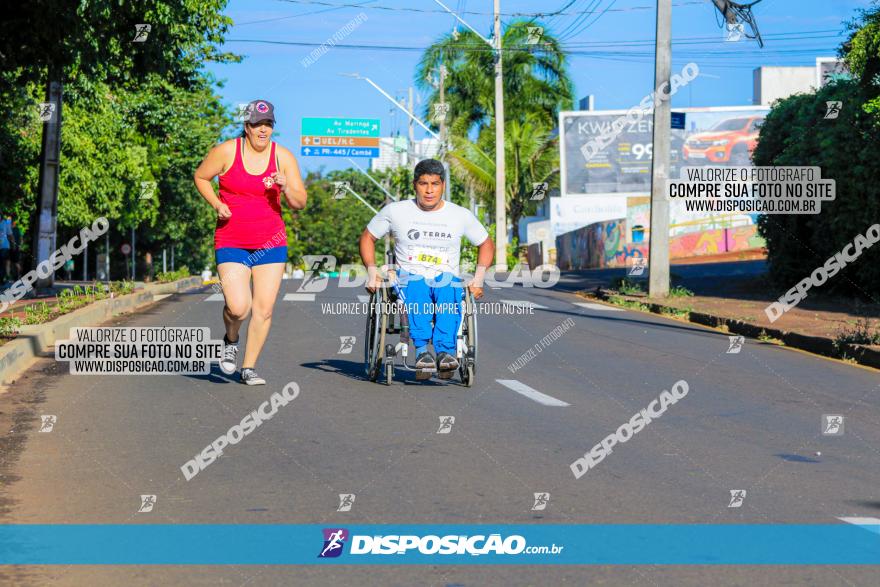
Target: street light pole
pixel 412 116
pixel 500 200
pixel 371 178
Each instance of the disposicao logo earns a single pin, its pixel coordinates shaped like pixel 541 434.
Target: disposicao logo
pixel 334 540
pixel 262 107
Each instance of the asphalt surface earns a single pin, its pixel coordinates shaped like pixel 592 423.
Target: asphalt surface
pixel 702 278
pixel 750 421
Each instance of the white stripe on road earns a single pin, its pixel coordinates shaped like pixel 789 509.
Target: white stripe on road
pixel 363 299
pixel 217 297
pixel 591 306
pixel 869 524
pixel 523 304
pixel 299 297
pixel 533 394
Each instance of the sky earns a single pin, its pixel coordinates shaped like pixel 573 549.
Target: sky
pixel 610 44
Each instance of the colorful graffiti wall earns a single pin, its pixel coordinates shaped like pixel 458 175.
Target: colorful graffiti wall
pixel 602 244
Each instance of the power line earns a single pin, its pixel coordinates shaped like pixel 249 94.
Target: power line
pixel 573 47
pixel 277 18
pixel 474 12
pixel 589 24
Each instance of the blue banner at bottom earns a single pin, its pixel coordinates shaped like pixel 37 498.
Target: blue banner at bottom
pixel 271 544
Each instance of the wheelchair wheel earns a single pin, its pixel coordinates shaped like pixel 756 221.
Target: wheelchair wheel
pixel 468 366
pixel 374 339
pixel 389 373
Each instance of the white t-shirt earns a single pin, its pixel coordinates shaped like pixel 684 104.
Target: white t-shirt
pixel 427 243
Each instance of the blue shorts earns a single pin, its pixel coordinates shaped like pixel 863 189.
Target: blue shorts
pixel 251 257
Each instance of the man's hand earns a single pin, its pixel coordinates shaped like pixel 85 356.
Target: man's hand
pixel 223 211
pixel 374 280
pixel 477 291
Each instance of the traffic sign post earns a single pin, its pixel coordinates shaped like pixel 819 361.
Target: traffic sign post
pixel 341 127
pixel 340 137
pixel 340 152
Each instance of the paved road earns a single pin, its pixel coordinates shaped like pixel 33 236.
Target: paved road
pixel 750 421
pixel 701 278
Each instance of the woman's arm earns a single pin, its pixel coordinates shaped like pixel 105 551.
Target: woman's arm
pixel 212 166
pixel 289 179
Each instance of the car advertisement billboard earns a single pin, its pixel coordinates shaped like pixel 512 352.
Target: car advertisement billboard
pixel 622 165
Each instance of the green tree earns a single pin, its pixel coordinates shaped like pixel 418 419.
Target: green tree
pixel 796 133
pixel 536 79
pixel 531 156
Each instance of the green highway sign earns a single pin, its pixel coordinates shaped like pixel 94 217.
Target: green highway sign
pixel 341 127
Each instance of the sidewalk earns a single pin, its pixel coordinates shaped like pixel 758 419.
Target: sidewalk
pixel 734 296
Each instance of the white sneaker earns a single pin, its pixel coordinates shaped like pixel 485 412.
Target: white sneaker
pixel 227 360
pixel 250 377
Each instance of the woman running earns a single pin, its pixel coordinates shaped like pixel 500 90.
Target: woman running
pixel 251 239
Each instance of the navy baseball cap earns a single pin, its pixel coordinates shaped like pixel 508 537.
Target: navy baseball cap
pixel 260 110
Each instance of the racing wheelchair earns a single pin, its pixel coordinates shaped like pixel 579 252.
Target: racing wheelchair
pixel 387 318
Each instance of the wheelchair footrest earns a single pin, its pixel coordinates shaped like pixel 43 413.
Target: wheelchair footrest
pixel 427 373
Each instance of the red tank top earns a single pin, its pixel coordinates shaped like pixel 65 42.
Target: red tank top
pixel 256 221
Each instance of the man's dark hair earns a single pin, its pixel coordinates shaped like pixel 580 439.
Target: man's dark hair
pixel 429 167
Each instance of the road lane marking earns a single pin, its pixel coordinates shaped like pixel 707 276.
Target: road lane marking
pixel 217 297
pixel 533 394
pixel 363 299
pixel 592 306
pixel 869 524
pixel 523 304
pixel 299 297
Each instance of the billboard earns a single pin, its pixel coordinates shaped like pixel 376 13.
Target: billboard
pixel 712 136
pixel 567 214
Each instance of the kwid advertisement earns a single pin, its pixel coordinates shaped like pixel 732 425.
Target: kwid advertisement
pixel 608 152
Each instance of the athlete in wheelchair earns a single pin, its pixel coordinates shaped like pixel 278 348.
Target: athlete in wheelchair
pixel 423 299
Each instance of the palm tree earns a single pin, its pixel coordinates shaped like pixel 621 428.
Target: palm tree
pixel 531 157
pixel 535 77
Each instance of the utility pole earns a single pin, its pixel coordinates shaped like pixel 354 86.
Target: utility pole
pixel 46 218
pixel 444 139
pixel 658 255
pixel 412 131
pixel 500 200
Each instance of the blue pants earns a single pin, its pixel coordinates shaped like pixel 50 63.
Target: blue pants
pixel 436 300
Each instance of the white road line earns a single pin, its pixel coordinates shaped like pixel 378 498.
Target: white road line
pixel 592 306
pixel 363 299
pixel 533 394
pixel 160 297
pixel 299 297
pixel 869 524
pixel 217 297
pixel 523 304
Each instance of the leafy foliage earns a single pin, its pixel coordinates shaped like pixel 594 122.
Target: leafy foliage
pixel 796 133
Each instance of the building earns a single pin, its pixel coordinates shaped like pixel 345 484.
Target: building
pixel 774 83
pixel 393 152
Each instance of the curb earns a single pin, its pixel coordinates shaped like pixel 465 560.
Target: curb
pixel 34 340
pixel 820 345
